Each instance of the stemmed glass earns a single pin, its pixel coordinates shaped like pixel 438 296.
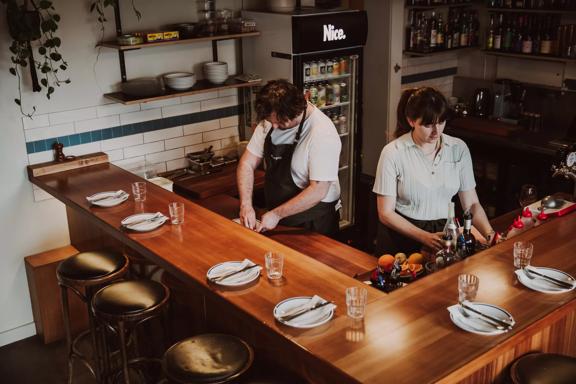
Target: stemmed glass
pixel 528 195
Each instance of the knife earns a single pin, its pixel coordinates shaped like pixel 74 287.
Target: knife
pixel 501 323
pixel 295 315
pixel 150 219
pixel 115 195
pixel 563 284
pixel 219 278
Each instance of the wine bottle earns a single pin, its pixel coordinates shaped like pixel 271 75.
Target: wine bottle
pixel 467 241
pixel 450 228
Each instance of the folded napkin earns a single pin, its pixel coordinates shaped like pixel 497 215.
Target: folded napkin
pixel 238 221
pixel 472 322
pixel 144 223
pixel 231 268
pixel 310 317
pixel 101 196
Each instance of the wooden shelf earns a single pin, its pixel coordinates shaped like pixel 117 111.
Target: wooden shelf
pixel 339 77
pixel 455 5
pixel 115 45
pixel 200 87
pixel 525 10
pixel 529 56
pixel 439 52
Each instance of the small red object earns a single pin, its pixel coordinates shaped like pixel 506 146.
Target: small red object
pixel 518 223
pixel 526 212
pixel 542 216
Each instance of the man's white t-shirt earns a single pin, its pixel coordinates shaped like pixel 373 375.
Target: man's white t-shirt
pixel 317 155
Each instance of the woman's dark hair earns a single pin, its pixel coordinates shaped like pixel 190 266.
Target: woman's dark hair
pixel 420 103
pixel 280 97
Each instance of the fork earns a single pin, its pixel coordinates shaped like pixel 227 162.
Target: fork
pixel 115 195
pixel 156 216
pixel 530 272
pixel 492 324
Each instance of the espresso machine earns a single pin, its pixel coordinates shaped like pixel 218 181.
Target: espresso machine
pixel 509 99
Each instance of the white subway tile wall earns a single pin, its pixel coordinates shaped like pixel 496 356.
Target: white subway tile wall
pixel 417 65
pixel 149 152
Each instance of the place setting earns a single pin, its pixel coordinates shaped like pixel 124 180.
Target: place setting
pixel 541 279
pixel 475 317
pixel 234 273
pixel 108 198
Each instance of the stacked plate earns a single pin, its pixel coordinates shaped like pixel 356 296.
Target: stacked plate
pixel 180 81
pixel 234 273
pixel 216 72
pixel 481 325
pixel 304 311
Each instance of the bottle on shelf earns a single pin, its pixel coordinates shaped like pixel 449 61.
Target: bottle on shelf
pixel 499 33
pixel 490 34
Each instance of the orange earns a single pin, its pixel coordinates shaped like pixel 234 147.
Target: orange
pixel 386 262
pixel 416 258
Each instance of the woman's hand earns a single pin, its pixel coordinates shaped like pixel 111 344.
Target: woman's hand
pixel 432 241
pixel 247 216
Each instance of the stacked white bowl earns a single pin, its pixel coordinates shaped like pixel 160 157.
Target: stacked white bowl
pixel 216 72
pixel 179 81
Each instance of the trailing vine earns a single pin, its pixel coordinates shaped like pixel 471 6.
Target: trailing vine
pixel 99 6
pixel 35 21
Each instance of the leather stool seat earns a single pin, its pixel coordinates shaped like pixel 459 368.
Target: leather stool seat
pixel 544 368
pixel 207 358
pixel 127 298
pixel 91 265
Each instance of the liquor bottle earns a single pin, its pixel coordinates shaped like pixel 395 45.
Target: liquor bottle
pixel 450 228
pixel 440 43
pixel 433 31
pixel 537 38
pixel 527 38
pixel 446 255
pixel 448 35
pixel 508 35
pixel 546 42
pixel 455 30
pixel 467 241
pixel 411 32
pixel 518 36
pixel 498 33
pixel 490 34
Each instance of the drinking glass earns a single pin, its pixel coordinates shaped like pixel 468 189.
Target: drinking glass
pixel 274 265
pixel 176 210
pixel 356 302
pixel 522 254
pixel 528 195
pixel 467 287
pixel 139 190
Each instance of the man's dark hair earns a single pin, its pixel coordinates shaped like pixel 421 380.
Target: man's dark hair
pixel 421 103
pixel 280 97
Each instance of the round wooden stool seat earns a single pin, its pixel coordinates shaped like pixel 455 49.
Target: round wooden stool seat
pixel 544 368
pixel 208 358
pixel 91 265
pixel 126 299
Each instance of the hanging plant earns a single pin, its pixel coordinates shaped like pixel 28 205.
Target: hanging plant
pixel 35 21
pixel 98 6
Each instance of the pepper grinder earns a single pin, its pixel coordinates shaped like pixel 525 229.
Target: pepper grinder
pixel 59 152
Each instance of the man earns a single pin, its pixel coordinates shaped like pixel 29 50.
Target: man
pixel 301 149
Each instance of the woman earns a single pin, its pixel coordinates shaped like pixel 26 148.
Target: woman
pixel 419 173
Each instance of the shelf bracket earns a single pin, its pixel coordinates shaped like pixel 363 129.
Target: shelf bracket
pixel 214 50
pixel 121 59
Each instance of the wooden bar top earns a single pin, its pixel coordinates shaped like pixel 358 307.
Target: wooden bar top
pixel 341 257
pixel 221 182
pixel 406 337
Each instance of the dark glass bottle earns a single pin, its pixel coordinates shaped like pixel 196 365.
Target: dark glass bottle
pixel 447 255
pixel 467 241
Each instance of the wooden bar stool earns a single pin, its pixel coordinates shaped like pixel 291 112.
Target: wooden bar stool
pixel 208 359
pixel 86 271
pixel 121 307
pixel 543 368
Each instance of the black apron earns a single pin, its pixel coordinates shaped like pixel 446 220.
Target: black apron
pixel 279 187
pixel 391 242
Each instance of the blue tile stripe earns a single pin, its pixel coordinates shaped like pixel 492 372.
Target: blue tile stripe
pixel 131 129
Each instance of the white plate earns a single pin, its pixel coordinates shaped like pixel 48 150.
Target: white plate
pixel 110 199
pixel 308 320
pixel 146 226
pixel 540 284
pixel 236 280
pixel 474 323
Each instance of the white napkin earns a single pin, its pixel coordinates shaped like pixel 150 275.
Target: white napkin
pixel 473 323
pixel 238 221
pixel 230 269
pixel 152 222
pixel 310 317
pixel 105 196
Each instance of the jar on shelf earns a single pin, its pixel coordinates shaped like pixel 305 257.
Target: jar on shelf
pixel 205 5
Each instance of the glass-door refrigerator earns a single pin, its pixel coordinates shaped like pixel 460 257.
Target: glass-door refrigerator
pixel 320 52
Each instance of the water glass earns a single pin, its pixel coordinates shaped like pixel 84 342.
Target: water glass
pixel 176 210
pixel 356 302
pixel 467 287
pixel 274 265
pixel 139 190
pixel 522 254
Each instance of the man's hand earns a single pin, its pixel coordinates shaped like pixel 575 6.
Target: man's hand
pixel 247 216
pixel 268 221
pixel 432 241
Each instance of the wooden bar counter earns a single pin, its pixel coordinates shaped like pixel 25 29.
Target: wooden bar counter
pixel 406 337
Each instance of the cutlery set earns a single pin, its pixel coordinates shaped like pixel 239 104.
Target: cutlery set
pixel 563 284
pixel 305 310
